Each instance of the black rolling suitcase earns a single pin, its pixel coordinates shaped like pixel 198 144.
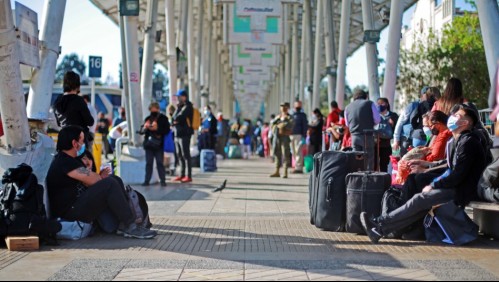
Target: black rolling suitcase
pixel 365 192
pixel 327 187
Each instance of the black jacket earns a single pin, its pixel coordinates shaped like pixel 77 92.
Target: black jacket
pixel 467 162
pixel 213 124
pixel 72 110
pixel 163 127
pixel 182 120
pixel 301 124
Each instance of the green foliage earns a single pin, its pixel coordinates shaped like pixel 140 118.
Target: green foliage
pixel 459 53
pixel 71 62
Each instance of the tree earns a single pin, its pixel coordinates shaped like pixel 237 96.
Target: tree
pixel 71 62
pixel 458 53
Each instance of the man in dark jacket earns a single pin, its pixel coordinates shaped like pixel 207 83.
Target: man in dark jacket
pixel 71 109
pixel 209 130
pixel 361 117
pixel 300 129
pixel 182 124
pixel 466 159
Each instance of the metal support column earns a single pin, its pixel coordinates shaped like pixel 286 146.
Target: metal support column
pixel 148 57
pixel 199 52
pixel 346 7
pixel 295 78
pixel 191 58
pixel 394 35
pixel 125 97
pixel 132 59
pixel 319 28
pixel 303 62
pixel 488 12
pixel 172 50
pixel 330 45
pixel 182 34
pixel 12 103
pixel 371 51
pixel 42 82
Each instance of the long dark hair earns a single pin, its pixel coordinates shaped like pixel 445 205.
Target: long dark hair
pixel 453 95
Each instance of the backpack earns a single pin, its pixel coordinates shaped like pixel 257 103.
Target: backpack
pixel 139 207
pixel 384 128
pixel 196 119
pixel 21 204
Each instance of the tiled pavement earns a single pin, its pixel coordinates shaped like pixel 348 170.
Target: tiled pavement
pixel 257 229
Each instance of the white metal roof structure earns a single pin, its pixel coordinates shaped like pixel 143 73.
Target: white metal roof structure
pixel 381 10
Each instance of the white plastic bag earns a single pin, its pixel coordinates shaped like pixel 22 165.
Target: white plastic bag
pixel 74 230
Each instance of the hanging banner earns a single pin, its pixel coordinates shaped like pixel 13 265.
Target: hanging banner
pixel 254 55
pixel 258 28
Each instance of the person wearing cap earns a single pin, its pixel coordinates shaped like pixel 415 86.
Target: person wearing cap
pixel 466 162
pixel 404 135
pixel 182 125
pixel 282 127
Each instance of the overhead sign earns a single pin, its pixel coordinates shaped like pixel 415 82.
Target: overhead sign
pixel 95 67
pixel 258 28
pixel 27 27
pixel 254 54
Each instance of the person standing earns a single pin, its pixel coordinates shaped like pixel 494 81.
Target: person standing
pixel 282 127
pixel 182 124
pixel 71 109
pixel 386 127
pixel 155 128
pixel 361 117
pixel 209 130
pixel 315 132
pixel 121 118
pixel 103 128
pixel 223 134
pixel 265 139
pixel 299 136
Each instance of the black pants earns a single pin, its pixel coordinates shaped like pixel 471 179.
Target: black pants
pixel 416 183
pixel 183 147
pixel 107 194
pixel 384 158
pixel 157 155
pixel 416 208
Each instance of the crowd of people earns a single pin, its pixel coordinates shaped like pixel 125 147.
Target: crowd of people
pixel 438 146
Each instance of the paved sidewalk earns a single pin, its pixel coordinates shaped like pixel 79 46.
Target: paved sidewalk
pixel 256 229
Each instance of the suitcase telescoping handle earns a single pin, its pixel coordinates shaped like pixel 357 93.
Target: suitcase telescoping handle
pixel 328 190
pixel 374 134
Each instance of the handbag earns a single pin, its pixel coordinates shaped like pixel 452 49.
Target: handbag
pixel 451 225
pixel 74 230
pixel 169 145
pixel 153 143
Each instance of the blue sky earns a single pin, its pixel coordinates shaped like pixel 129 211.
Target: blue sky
pixel 87 31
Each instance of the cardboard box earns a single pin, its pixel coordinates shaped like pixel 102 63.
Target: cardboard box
pixel 22 243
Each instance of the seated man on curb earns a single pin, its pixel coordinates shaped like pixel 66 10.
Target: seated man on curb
pixel 467 161
pixel 78 194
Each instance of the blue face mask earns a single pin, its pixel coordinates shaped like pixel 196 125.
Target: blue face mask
pixel 452 123
pixel 82 150
pixel 427 131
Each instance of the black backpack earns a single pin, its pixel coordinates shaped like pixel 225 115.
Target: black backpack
pixel 21 205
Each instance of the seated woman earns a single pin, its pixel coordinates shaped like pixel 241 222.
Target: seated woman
pixel 78 194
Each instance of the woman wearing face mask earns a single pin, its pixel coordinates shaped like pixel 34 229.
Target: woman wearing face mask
pixel 385 129
pixel 442 134
pixel 155 128
pixel 315 132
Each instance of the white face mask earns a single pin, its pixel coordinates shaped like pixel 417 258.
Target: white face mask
pixel 427 131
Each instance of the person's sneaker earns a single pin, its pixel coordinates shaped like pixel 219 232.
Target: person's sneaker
pixel 371 228
pixel 186 180
pixel 163 184
pixel 177 179
pixel 138 232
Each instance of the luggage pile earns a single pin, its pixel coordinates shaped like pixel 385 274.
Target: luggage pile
pixel 341 189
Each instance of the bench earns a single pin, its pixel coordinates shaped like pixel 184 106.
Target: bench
pixel 486 215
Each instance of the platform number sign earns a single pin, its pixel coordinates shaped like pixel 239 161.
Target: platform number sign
pixel 95 67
